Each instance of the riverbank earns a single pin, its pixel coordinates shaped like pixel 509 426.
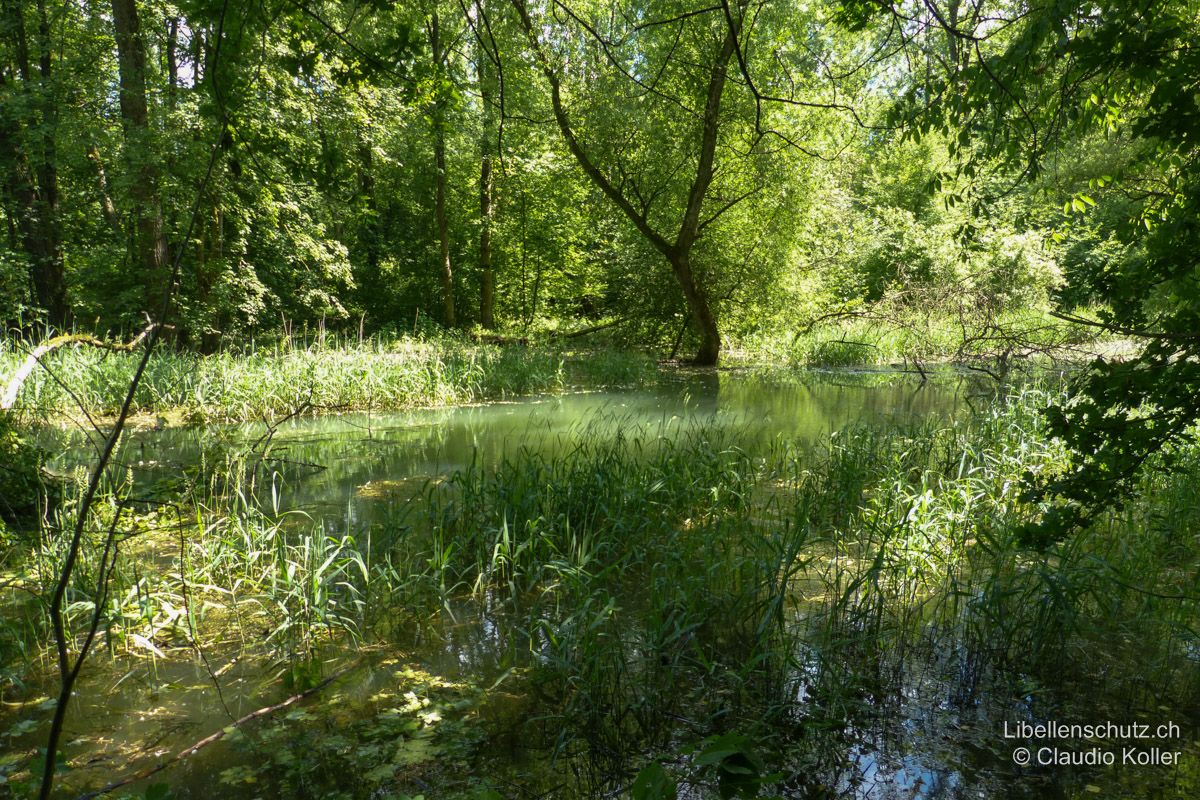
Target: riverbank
pixel 334 374
pixel 290 378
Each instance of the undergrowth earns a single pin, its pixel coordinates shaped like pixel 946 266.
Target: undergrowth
pixel 655 592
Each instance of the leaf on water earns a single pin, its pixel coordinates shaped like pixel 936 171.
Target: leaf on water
pixel 22 727
pixel 381 773
pixel 653 783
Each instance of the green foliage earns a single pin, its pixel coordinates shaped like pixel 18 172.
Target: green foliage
pixel 318 209
pixel 653 783
pixel 268 381
pixel 24 488
pixel 1115 83
pixel 772 599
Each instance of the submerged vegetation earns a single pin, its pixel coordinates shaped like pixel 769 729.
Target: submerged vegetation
pixel 678 591
pixel 224 220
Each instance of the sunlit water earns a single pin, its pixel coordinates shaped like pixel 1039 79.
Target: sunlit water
pixel 132 712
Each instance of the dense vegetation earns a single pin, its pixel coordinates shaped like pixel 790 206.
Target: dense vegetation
pixel 784 597
pixel 363 165
pixel 224 212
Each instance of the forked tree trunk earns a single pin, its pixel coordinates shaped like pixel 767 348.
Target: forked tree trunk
pixel 677 249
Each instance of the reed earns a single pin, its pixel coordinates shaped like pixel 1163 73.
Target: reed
pixel 264 381
pixel 660 585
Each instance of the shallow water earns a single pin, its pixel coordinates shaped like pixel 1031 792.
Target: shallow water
pixel 330 463
pixel 132 712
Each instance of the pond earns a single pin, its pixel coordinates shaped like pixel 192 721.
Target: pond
pixel 469 697
pixel 334 461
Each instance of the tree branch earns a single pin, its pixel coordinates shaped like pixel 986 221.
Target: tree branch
pixel 9 398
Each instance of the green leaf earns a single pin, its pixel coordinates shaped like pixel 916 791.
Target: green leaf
pixel 653 783
pixel 158 791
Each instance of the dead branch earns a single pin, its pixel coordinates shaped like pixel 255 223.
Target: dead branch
pixel 9 399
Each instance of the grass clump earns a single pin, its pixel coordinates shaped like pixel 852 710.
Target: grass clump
pixel 651 592
pixel 265 382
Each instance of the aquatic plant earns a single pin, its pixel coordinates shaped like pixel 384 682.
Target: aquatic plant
pixel 273 379
pixel 673 588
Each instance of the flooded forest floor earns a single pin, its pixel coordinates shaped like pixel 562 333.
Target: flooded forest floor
pixel 793 585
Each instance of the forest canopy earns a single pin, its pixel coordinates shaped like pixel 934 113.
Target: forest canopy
pixel 742 166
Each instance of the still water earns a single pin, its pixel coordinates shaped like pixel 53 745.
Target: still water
pixel 329 464
pixel 133 712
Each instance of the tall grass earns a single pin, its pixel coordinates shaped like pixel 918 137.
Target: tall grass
pixel 333 375
pixel 653 587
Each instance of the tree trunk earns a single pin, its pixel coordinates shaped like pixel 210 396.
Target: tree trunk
pixel 370 230
pixel 439 157
pixel 151 243
pixel 702 315
pixel 689 230
pixel 50 273
pixel 487 277
pixel 34 186
pixel 172 61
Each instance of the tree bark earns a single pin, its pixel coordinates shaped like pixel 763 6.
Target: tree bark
pixel 439 157
pixel 50 273
pixel 487 276
pixel 108 209
pixel 703 317
pixel 151 243
pixel 689 230
pixel 172 60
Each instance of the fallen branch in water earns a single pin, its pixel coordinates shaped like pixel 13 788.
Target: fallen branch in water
pixel 46 348
pixel 213 737
pixel 593 329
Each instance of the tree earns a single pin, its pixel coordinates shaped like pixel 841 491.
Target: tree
pixel 486 56
pixel 441 90
pixel 1025 86
pixel 140 158
pixel 28 137
pixel 666 210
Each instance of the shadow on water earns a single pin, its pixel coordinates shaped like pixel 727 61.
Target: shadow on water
pixel 457 704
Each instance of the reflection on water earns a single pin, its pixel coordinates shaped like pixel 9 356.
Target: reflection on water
pixel 343 469
pixel 330 464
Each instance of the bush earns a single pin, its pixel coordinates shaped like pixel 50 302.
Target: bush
pixel 21 479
